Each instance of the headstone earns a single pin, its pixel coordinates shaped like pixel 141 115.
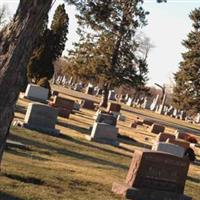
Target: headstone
pixel 169 148
pixel 65 106
pixel 113 107
pixel 41 117
pixel 163 137
pixel 105 133
pixel 154 176
pixel 90 90
pixel 148 122
pixel 36 93
pixel 170 111
pixel 55 93
pixel 106 118
pixel 147 103
pixel 111 95
pixel 154 103
pixel 129 102
pixel 180 142
pixel 121 117
pixel 156 128
pixel 133 124
pixel 88 104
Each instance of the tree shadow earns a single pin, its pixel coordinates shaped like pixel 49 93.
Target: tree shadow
pixel 193 179
pixel 5 196
pixel 72 154
pixel 20 109
pixel 74 127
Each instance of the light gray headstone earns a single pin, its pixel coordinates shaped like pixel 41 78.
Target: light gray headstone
pixel 169 148
pixel 41 117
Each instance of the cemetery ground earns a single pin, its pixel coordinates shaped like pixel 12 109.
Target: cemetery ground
pixel 69 167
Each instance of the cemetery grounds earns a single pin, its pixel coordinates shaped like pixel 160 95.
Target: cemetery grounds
pixel 69 167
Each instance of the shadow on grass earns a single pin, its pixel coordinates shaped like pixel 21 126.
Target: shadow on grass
pixel 5 196
pixel 69 153
pixel 74 127
pixel 193 179
pixel 30 180
pixel 20 109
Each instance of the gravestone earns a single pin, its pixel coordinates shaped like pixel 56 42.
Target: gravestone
pixel 121 117
pixel 36 93
pixel 41 117
pixel 88 104
pixel 156 128
pixel 111 95
pixel 90 90
pixel 148 122
pixel 106 118
pixel 104 133
pixel 169 148
pixel 133 124
pixel 129 102
pixel 154 176
pixel 65 106
pixel 54 93
pixel 163 137
pixel 147 103
pixel 113 107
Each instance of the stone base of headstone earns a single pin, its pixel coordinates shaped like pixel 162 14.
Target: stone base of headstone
pixel 156 128
pixel 102 140
pixel 54 132
pixel 145 194
pixel 148 122
pixel 133 125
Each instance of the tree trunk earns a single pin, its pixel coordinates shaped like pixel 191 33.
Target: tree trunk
pixel 16 45
pixel 104 99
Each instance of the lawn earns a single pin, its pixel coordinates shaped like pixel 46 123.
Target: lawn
pixel 69 167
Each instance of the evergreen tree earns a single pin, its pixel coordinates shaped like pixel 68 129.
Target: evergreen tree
pixel 51 46
pixel 111 53
pixel 187 89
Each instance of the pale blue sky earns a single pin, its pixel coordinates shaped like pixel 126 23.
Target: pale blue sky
pixel 168 25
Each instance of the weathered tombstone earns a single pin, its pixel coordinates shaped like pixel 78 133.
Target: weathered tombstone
pixel 170 111
pixel 156 128
pixel 36 93
pixel 41 117
pixel 163 137
pixel 88 104
pixel 173 149
pixel 182 115
pixel 154 176
pixel 105 133
pixel 113 107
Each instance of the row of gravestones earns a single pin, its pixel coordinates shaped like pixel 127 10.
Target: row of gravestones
pixel 151 172
pixel 160 173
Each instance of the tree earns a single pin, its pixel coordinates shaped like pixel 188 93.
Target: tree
pixel 111 52
pixel 50 47
pixel 187 88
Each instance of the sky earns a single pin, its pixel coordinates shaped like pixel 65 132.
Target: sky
pixel 168 25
